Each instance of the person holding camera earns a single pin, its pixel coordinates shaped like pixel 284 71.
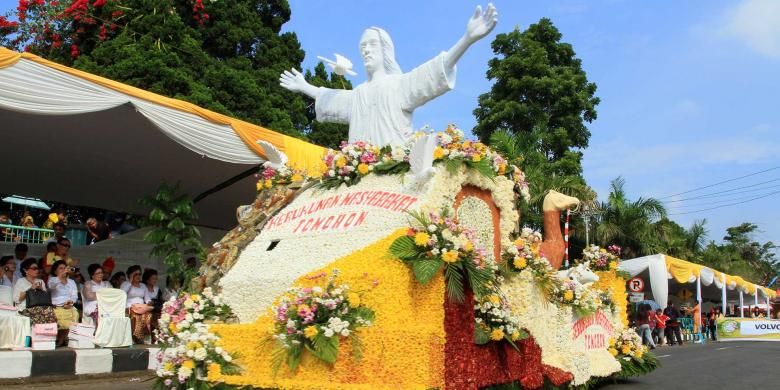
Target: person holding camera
pixel 64 294
pixel 31 289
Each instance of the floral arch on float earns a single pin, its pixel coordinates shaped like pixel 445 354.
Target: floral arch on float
pixel 402 265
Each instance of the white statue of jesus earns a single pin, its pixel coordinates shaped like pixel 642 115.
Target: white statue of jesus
pixel 379 111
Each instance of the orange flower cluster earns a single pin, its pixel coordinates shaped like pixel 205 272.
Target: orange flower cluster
pixel 404 348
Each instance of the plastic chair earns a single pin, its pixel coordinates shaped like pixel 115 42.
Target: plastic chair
pixel 14 328
pixel 114 328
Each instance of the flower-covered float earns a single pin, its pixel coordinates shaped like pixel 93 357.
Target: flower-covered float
pixel 381 275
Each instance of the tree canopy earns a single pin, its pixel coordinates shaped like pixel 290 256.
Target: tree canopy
pixel 540 90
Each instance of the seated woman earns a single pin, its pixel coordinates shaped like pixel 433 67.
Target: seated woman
pixel 30 281
pixel 9 277
pixel 139 311
pixel 155 295
pixel 117 279
pixel 89 295
pixel 64 294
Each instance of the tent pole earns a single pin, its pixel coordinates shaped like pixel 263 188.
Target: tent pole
pixel 741 305
pixel 698 300
pixel 723 295
pixel 756 296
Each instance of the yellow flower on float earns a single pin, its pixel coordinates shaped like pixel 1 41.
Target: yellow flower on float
pixel 168 366
pixel 476 158
pixel 195 297
pixel 625 349
pixel 341 161
pixel 613 265
pixel 613 351
pixel 468 247
pixel 188 364
pixel 297 177
pixel 466 144
pixel 354 299
pixel 494 299
pixel 501 169
pixel 310 332
pixel 568 295
pixel 611 341
pixel 520 262
pixel 172 327
pixel 323 167
pixel 363 168
pixel 259 185
pixel 268 183
pixel 438 153
pixel 421 238
pixel 519 243
pixel 450 256
pixel 602 250
pixel 214 369
pixel 515 335
pixel 639 353
pixel 496 334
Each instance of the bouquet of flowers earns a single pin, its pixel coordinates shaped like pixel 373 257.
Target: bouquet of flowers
pixel 626 346
pixel 583 300
pixel 495 321
pixel 438 241
pixel 350 163
pixel 268 177
pixel 521 185
pixel 315 319
pixel 454 150
pixel 524 255
pixel 600 258
pixel 187 348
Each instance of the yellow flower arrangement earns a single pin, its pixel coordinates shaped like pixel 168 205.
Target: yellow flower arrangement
pixel 195 297
pixel 387 286
pixel 421 238
pixel 363 168
pixel 520 263
pixel 568 295
pixel 476 158
pixel 613 265
pixel 450 256
pixel 625 349
pixel 188 364
pixel 296 177
pixel 268 183
pixel 496 334
pixel 494 299
pixel 341 162
pixel 613 351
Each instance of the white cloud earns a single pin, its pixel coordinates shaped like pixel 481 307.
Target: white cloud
pixel 757 23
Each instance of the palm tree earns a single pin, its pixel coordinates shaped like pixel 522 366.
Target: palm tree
pixel 632 225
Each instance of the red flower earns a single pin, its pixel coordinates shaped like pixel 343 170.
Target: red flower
pixel 74 51
pixel 99 3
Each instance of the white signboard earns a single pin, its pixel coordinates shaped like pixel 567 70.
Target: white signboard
pixel 636 297
pixel 755 328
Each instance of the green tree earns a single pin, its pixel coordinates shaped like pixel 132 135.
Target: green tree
pixel 631 224
pixel 540 87
pixel 174 237
pixel 321 133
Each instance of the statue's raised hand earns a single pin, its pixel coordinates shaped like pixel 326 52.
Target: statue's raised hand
pixel 481 23
pixel 294 81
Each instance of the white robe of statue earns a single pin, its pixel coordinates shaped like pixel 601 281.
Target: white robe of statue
pixel 380 111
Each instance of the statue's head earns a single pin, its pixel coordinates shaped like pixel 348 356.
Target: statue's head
pixel 378 52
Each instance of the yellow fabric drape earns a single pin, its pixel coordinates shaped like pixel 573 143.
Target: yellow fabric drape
pixel 682 270
pixel 301 154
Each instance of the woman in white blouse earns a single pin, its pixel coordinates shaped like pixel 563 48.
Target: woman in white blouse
pixel 89 295
pixel 137 308
pixel 10 276
pixel 64 293
pixel 30 281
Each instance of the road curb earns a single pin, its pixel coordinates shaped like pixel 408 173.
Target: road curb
pixel 72 362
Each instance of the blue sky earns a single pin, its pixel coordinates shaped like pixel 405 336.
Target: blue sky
pixel 689 90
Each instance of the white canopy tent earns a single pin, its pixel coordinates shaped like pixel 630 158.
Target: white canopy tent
pixel 667 275
pixel 81 139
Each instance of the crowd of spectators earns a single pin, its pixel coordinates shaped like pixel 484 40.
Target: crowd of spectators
pixel 97 228
pixel 72 297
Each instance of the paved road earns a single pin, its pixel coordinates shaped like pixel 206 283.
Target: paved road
pixel 732 365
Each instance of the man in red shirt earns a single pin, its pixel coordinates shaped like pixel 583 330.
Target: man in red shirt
pixel 660 325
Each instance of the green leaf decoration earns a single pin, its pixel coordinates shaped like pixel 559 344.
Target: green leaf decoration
pixel 294 357
pixel 325 348
pixel 484 167
pixel 404 248
pixel 452 165
pixel 357 346
pixel 425 270
pixel 481 336
pixel 365 313
pixel 454 279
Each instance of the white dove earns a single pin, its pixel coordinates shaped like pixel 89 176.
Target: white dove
pixel 275 158
pixel 421 159
pixel 341 66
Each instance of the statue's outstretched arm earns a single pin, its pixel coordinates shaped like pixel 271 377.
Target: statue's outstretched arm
pixel 294 81
pixel 480 24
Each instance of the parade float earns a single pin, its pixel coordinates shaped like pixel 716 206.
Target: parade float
pixel 400 264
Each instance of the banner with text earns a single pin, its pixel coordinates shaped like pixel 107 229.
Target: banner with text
pixel 748 328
